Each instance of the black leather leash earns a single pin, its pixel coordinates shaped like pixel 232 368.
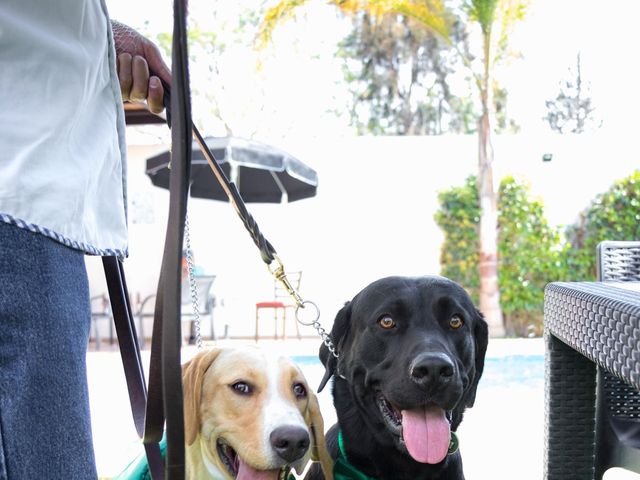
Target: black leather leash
pixel 165 402
pixel 162 405
pixel 130 354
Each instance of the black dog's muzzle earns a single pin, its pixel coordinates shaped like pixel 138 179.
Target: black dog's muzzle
pixel 431 370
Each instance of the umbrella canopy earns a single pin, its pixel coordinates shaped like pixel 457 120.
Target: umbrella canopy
pixel 262 173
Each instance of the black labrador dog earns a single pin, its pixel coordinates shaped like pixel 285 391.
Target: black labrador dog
pixel 410 355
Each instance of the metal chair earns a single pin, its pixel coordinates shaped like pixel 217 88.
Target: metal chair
pixel 206 304
pixel 617 429
pixel 281 303
pixel 101 309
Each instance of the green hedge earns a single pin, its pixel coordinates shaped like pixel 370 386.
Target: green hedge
pixel 612 215
pixel 458 216
pixel 531 253
pixel 529 250
pixel 530 256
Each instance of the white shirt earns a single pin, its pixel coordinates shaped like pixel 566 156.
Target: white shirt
pixel 62 143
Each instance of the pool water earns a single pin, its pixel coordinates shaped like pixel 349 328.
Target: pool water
pixel 503 371
pixel 520 370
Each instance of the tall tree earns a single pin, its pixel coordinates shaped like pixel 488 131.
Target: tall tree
pixel 216 37
pixel 399 73
pixel 572 111
pixel 406 80
pixel 495 20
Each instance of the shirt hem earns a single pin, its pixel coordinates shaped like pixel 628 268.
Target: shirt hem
pixel 89 249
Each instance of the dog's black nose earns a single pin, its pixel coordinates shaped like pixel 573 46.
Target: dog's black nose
pixel 432 369
pixel 290 443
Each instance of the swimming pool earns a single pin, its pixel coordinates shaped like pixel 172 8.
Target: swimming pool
pixel 502 371
pixel 521 370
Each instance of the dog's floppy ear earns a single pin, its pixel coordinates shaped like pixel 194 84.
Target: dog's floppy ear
pixel 339 332
pixel 481 336
pixel 192 376
pixel 319 452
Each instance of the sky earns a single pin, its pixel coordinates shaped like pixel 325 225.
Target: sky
pixel 606 35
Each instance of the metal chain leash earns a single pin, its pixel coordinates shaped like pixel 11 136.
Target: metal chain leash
pixel 193 287
pixel 326 338
pixel 278 272
pixel 267 251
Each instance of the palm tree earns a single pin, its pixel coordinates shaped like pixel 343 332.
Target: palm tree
pixel 489 16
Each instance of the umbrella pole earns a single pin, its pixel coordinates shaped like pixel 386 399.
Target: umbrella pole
pixel 235 172
pixel 283 191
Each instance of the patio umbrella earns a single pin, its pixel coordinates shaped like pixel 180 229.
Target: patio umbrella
pixel 262 173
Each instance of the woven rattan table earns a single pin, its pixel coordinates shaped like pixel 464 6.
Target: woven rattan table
pixel 587 324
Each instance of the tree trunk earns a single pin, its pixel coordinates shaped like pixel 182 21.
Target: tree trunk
pixel 489 288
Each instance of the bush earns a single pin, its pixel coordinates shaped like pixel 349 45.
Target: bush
pixel 529 250
pixel 458 216
pixel 530 256
pixel 612 215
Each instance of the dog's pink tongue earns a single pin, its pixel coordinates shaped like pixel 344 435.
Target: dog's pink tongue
pixel 246 472
pixel 426 434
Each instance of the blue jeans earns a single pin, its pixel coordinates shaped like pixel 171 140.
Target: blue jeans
pixel 45 426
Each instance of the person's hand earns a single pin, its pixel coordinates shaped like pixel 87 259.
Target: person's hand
pixel 140 67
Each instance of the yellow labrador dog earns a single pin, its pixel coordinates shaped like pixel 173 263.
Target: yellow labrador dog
pixel 249 416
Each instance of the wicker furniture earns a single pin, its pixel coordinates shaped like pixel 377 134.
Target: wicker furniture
pixel 592 365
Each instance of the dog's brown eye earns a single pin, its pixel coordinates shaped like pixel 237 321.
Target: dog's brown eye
pixel 387 322
pixel 456 322
pixel 242 388
pixel 299 390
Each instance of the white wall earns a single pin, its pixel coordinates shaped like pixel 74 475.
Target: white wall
pixel 372 216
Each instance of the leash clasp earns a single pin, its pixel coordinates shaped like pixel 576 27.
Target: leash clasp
pixel 276 268
pixel 278 272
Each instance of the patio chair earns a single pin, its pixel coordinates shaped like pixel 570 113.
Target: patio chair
pixel 281 302
pixel 101 309
pixel 206 303
pixel 617 442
